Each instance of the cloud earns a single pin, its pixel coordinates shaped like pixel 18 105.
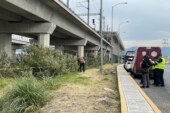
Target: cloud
pixel 164 34
pixel 148 19
pixel 147 43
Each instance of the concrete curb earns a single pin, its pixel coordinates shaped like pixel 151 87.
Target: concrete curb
pixel 150 102
pixel 123 105
pixel 124 108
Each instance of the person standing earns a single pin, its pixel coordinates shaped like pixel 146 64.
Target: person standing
pixel 78 63
pixel 82 64
pixel 153 71
pixel 145 66
pixel 153 74
pixel 159 71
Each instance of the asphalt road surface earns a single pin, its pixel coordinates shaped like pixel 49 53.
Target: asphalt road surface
pixel 160 95
pixel 167 77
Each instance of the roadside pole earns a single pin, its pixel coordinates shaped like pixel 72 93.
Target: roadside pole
pixel 101 40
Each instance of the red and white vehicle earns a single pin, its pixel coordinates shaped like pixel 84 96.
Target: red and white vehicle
pixel 152 52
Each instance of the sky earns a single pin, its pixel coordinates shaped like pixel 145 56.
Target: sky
pixel 148 20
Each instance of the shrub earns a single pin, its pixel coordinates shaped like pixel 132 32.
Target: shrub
pixel 92 61
pixel 45 61
pixel 6 66
pixel 26 95
pixel 71 63
pixel 5 61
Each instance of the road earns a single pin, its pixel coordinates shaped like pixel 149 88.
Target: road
pixel 167 77
pixel 160 95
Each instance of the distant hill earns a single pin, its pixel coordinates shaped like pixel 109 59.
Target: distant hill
pixel 165 50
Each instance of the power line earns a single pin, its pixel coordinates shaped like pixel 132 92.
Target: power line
pixel 87 7
pixel 95 6
pixel 91 14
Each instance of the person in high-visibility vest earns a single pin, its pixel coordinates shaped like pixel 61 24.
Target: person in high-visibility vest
pixel 159 71
pixel 153 70
pixel 153 74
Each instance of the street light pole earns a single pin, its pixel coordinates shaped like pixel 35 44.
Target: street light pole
pixel 119 48
pixel 101 40
pixel 112 25
pixel 88 11
pixel 113 15
pixel 120 25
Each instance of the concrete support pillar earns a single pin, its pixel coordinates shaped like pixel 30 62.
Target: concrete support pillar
pixel 81 51
pixel 110 56
pixel 58 47
pixel 44 40
pixel 96 53
pixel 104 52
pixel 112 50
pixel 6 44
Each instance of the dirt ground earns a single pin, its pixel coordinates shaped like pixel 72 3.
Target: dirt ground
pixel 99 96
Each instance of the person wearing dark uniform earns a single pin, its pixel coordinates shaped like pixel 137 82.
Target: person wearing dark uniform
pixel 153 74
pixel 78 63
pixel 153 70
pixel 82 64
pixel 145 66
pixel 145 71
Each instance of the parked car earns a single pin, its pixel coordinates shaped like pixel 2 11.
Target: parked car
pixel 129 54
pixel 152 52
pixel 128 64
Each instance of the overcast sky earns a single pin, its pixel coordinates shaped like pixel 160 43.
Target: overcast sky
pixel 149 20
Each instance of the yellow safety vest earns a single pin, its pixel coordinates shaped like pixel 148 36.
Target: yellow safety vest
pixel 153 67
pixel 161 65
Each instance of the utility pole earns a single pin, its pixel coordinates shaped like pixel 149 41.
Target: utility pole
pixel 88 9
pixel 94 24
pixel 101 41
pixel 67 3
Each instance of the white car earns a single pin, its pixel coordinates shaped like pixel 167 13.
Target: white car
pixel 128 64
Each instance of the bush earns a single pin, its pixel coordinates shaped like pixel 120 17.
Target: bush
pixel 27 95
pixel 45 61
pixel 6 66
pixel 5 61
pixel 71 63
pixel 92 61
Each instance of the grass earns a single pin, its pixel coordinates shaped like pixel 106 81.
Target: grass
pixel 114 81
pixel 5 81
pixel 115 87
pixel 27 94
pixel 71 77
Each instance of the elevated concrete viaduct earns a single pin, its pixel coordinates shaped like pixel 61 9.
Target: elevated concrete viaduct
pixel 48 21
